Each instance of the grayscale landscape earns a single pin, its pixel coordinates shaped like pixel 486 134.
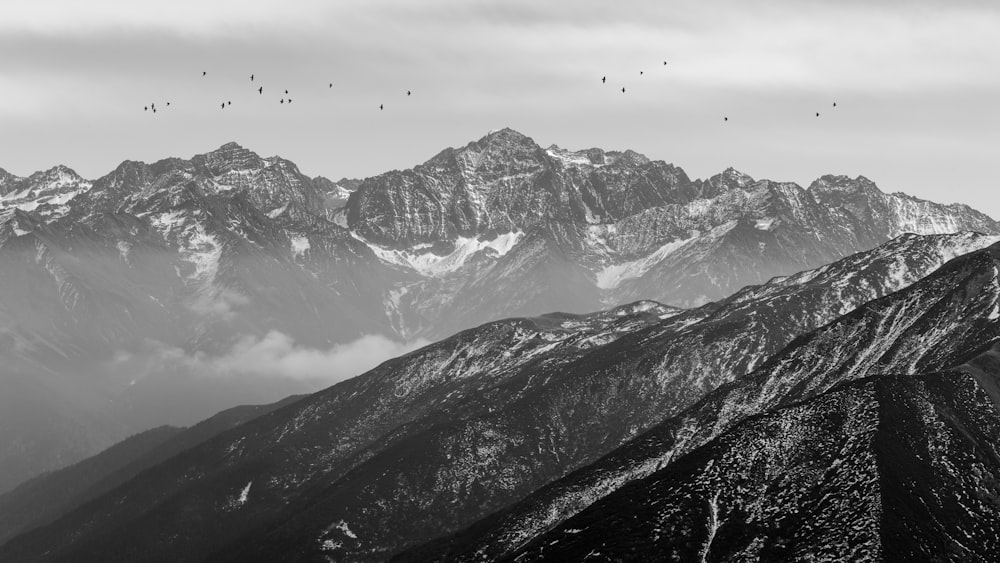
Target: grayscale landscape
pixel 554 308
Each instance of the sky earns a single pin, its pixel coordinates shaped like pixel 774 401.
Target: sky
pixel 915 83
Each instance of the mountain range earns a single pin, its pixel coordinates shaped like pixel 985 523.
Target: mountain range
pixel 163 293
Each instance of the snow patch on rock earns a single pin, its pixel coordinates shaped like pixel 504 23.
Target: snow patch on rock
pixel 430 264
pixel 612 276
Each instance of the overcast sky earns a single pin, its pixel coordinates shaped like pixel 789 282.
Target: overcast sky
pixel 916 84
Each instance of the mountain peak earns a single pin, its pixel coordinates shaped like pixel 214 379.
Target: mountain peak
pixel 730 179
pixel 505 133
pixel 231 145
pixel 230 156
pixel 844 184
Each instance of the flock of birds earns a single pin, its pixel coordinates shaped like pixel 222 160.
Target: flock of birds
pixel 260 91
pixel 287 98
pixel 725 118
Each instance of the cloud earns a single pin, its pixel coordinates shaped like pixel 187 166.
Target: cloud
pixel 275 356
pixel 220 304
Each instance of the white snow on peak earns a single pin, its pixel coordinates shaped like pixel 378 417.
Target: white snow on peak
pixel 569 158
pixel 300 245
pixel 236 502
pixel 430 264
pixel 342 526
pixel 612 276
pixel 340 217
pixel 765 224
pixel 203 251
pixel 277 211
pixel 921 217
pixel 244 494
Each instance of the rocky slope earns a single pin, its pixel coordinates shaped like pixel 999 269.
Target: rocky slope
pixel 942 322
pixel 889 468
pixel 433 441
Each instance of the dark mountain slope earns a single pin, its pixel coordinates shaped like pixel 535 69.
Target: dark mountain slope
pixel 892 468
pixel 940 322
pixel 49 496
pixel 322 437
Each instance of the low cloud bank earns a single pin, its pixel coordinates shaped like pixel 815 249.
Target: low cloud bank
pixel 276 354
pixel 273 356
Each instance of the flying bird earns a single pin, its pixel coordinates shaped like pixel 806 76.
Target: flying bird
pixel 834 104
pixel 282 100
pixel 623 90
pixel 664 63
pixel 286 91
pixel 203 73
pixel 331 85
pixel 725 119
pixel 380 106
pixel 229 103
pixel 407 92
pixel 260 90
pixel 223 105
pixel 289 100
pixel 145 108
pixel 817 114
pixel 604 79
pixel 640 73
pixel 251 78
pixel 168 104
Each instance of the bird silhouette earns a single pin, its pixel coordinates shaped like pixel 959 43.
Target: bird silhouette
pixel 834 104
pixel 289 100
pixel 331 85
pixel 407 92
pixel 152 106
pixel 282 100
pixel 623 90
pixel 604 79
pixel 664 63
pixel 286 91
pixel 223 105
pixel 640 73
pixel 154 111
pixel 260 90
pixel 145 108
pixel 229 103
pixel 203 73
pixel 380 106
pixel 817 114
pixel 168 104
pixel 251 78
pixel 725 119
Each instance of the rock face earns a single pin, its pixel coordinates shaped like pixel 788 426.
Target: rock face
pixel 119 291
pixel 434 441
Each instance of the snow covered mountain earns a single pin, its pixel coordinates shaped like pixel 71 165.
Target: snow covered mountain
pixel 120 291
pixel 433 441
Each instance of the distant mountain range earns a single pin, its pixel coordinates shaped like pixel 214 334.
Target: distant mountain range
pixel 161 293
pixel 806 416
